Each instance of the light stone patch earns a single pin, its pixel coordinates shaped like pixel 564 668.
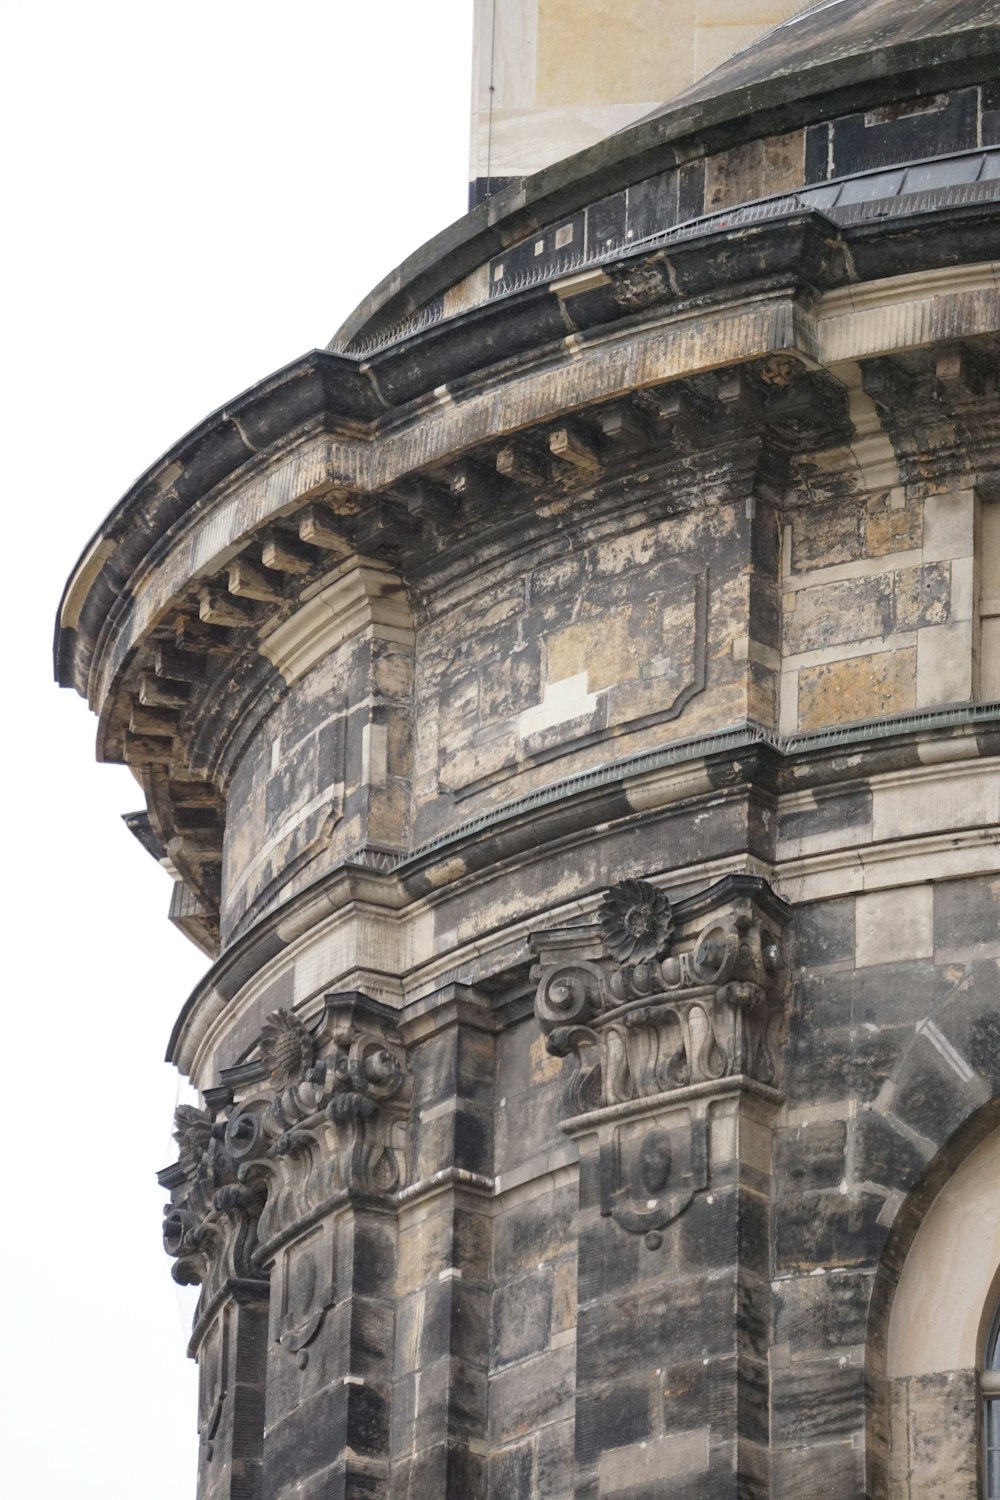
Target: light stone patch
pixel 882 645
pixel 962 588
pixel 845 872
pixel 661 1458
pixel 944 1048
pixel 963 796
pixel 949 526
pixel 374 754
pixel 944 664
pixel 788 712
pixel 863 567
pixel 894 925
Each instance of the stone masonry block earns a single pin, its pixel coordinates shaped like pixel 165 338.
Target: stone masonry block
pixel 811 1155
pixel 614 1416
pixel 511 1472
pixel 855 609
pixel 816 1401
pixel 824 1312
pixel 521 1318
pixel 966 913
pixel 922 596
pixel 944 664
pixel 534 1232
pixel 836 1468
pixel 824 933
pixel 859 687
pixel 526 1396
pixel 949 525
pixel 813 1230
pixel 825 535
pixel 836 1062
pixel 895 924
pixel 883 1153
pixel 935 1422
pixel 624 1471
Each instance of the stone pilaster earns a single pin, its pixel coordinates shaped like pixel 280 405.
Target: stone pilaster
pixel 329 1358
pixel 677 1020
pixel 230 1345
pixel 309 1153
pixel 445 1282
pixel 210 1227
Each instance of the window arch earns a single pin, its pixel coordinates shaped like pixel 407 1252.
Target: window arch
pixel 942 1351
pixel 989 1388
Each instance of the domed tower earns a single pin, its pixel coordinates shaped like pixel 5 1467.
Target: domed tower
pixel 569 707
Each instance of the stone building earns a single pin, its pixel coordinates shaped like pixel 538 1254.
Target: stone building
pixel 568 708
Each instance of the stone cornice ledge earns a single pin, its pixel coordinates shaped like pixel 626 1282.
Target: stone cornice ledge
pixel 737 1083
pixel 208 472
pixel 922 738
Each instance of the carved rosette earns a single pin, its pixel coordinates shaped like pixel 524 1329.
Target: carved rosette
pixel 320 1114
pixel 636 922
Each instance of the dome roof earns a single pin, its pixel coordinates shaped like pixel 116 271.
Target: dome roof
pixel 838 58
pixel 836 31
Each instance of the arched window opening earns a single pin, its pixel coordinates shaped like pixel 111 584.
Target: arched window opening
pixel 989 1388
pixel 942 1351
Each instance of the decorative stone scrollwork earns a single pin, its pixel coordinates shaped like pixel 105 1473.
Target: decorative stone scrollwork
pixel 340 1123
pixel 674 1013
pixel 209 1224
pixel 648 1019
pixel 322 1112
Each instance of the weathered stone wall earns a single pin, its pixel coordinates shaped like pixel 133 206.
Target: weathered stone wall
pixel 568 723
pixel 497 1327
pixel 534 1304
pixel 599 635
pixel 878 607
pixel 330 767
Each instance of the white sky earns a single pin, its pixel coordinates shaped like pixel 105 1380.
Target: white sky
pixel 195 194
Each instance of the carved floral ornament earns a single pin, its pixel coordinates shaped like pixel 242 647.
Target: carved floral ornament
pixel 648 1019
pixel 322 1113
pixel 636 922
